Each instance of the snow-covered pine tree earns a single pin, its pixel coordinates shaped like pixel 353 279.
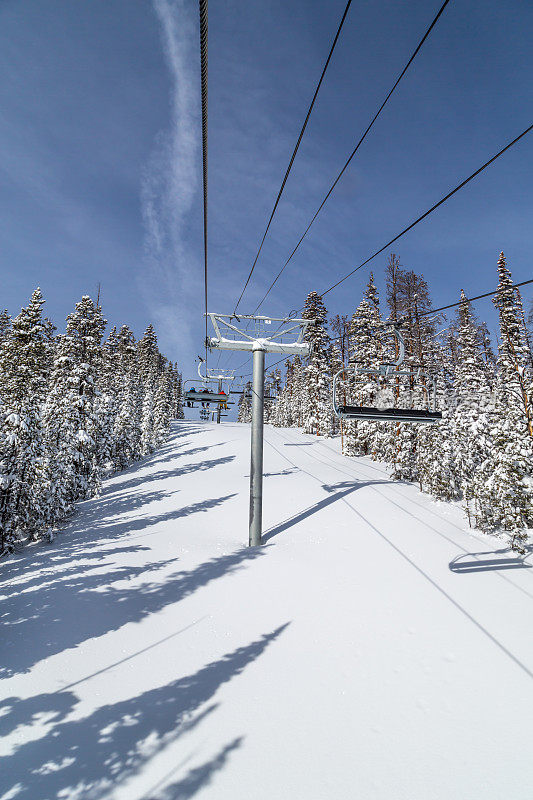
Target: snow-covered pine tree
pixel 149 365
pixel 297 393
pixel 281 412
pixel 127 427
pixel 506 495
pixel 110 391
pixel 163 405
pixel 365 351
pixel 244 413
pixel 339 359
pixel 177 399
pixel 513 353
pixel 469 419
pixel 409 300
pixel 85 328
pixel 5 323
pixel 317 410
pixel 23 378
pixel 60 426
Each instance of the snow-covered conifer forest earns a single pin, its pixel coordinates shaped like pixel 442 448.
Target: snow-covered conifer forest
pixel 481 453
pixel 73 408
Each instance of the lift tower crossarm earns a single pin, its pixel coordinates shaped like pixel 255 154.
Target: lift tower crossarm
pixel 229 337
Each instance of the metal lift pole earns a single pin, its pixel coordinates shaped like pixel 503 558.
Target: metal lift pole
pixel 256 459
pixel 287 338
pixel 220 404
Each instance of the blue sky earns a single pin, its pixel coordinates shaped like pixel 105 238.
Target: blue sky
pixel 101 162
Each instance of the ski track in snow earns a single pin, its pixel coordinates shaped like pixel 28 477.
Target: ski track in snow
pixel 374 647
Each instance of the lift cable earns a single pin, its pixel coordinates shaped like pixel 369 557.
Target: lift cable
pixel 203 59
pixel 423 314
pixel 470 300
pixel 295 151
pixel 430 211
pixel 354 151
pixel 453 305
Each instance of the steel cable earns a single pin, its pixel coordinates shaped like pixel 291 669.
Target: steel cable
pixel 204 75
pixel 352 154
pixel 430 211
pixel 294 152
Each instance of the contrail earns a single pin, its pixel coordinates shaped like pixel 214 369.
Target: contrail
pixel 170 180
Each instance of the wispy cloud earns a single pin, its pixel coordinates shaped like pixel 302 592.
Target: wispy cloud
pixel 170 183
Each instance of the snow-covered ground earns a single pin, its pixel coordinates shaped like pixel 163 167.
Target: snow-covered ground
pixel 374 648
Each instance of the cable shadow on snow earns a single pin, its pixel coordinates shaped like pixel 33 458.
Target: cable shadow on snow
pixel 85 758
pixel 289 471
pixel 346 487
pixel 54 617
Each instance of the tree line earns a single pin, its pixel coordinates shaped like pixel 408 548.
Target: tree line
pixel 481 453
pixel 73 408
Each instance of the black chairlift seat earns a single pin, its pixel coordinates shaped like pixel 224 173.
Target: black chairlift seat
pixel 368 413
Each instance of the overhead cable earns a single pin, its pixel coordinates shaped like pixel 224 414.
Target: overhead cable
pixel 352 154
pixel 430 211
pixel 294 152
pixel 423 314
pixel 470 299
pixel 451 305
pixel 203 64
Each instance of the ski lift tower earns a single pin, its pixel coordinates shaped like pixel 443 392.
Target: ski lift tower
pixel 259 335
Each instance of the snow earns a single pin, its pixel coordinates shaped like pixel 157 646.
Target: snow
pixel 373 648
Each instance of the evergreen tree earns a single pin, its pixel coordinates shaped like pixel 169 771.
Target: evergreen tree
pixel 515 376
pixel 365 352
pixel 163 406
pixel 85 327
pixel 60 420
pixel 110 388
pixel 5 323
pixel 127 427
pixel 149 366
pixel 23 371
pixel 244 413
pixel 317 404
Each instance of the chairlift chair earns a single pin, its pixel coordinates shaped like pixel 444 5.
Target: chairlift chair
pixel 427 383
pixel 203 395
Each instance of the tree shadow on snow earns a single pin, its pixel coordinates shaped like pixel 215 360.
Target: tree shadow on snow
pixel 85 758
pixel 160 458
pixel 76 603
pixel 186 469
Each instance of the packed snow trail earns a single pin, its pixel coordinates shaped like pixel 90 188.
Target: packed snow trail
pixel 373 647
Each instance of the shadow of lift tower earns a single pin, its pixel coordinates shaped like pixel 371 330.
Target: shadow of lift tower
pixel 252 333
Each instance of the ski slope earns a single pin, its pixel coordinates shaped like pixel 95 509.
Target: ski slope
pixel 373 648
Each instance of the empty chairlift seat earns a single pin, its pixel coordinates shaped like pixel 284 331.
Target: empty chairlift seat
pixel 424 381
pixel 370 414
